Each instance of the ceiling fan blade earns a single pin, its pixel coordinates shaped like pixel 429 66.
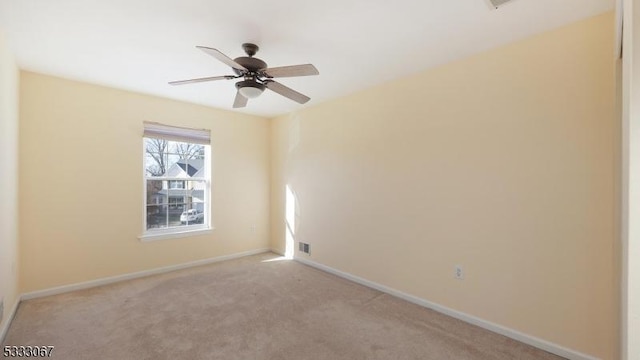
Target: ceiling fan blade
pixel 286 92
pixel 212 78
pixel 222 57
pixel 240 101
pixel 290 71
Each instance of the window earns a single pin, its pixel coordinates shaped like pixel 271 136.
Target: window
pixel 176 180
pixel 176 184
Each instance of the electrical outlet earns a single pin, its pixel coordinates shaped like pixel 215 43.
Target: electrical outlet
pixel 458 273
pixel 1 309
pixel 253 229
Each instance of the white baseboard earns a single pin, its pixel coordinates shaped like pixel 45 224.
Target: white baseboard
pixel 9 319
pixel 135 275
pixel 499 329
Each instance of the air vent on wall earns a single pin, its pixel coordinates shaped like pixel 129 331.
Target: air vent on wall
pixel 304 247
pixel 497 3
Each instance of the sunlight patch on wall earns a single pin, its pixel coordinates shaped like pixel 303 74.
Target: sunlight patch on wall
pixel 290 219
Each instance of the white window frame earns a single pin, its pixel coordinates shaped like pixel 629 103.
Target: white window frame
pixel 173 133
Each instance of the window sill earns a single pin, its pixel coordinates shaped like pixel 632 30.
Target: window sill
pixel 174 235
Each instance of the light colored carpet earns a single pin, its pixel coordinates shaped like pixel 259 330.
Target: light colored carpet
pixel 250 309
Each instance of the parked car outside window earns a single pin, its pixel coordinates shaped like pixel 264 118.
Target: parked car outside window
pixel 192 216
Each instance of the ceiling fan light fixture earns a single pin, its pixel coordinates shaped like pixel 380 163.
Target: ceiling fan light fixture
pixel 249 88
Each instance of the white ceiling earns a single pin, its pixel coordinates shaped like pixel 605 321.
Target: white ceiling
pixel 140 45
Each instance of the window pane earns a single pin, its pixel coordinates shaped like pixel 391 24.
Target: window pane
pixel 156 216
pixel 176 208
pixel 191 216
pixel 176 184
pixel 196 192
pixel 198 206
pixel 156 192
pixel 199 152
pixel 186 150
pixel 156 157
pixel 173 166
pixel 195 168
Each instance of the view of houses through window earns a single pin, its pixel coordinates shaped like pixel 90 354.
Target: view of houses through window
pixel 176 184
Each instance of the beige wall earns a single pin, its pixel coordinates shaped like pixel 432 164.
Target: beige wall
pixel 503 163
pixel 8 180
pixel 81 182
pixel 631 179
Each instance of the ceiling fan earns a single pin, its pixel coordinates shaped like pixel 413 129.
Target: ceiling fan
pixel 257 76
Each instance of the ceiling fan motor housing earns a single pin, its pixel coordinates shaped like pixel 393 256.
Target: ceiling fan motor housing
pixel 250 63
pixel 250 83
